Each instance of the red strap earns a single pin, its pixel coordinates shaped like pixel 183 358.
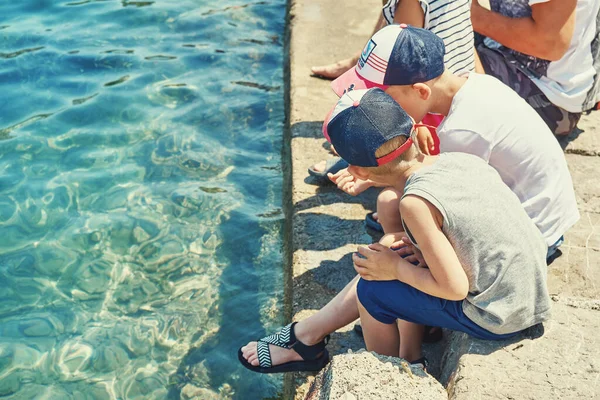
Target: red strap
pixel 394 154
pixel 406 145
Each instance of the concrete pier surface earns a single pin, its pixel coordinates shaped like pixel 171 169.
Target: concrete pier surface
pixel 561 362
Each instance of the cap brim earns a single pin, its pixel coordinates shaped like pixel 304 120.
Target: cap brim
pixel 351 79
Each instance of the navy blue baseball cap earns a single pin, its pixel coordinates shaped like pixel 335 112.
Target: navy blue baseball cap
pixel 395 55
pixel 362 121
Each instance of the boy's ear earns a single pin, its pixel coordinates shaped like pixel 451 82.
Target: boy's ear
pixel 423 91
pixel 359 172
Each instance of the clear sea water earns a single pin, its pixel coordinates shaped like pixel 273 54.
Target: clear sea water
pixel 140 196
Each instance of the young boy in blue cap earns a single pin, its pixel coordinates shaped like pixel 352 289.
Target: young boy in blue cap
pixel 486 272
pixel 484 117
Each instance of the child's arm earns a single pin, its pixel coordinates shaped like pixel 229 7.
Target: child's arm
pixel 425 140
pixel 409 12
pixel 445 277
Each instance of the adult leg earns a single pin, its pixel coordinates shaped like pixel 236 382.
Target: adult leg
pixel 333 71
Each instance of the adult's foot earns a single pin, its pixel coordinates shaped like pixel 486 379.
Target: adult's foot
pixel 320 166
pixel 333 71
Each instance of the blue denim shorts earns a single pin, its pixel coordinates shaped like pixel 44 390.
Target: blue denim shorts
pixel 387 301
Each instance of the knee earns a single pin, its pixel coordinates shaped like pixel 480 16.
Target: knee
pixel 388 201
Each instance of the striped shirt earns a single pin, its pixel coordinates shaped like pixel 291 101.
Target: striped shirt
pixel 451 21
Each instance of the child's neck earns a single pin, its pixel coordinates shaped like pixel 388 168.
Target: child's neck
pixel 444 92
pixel 399 178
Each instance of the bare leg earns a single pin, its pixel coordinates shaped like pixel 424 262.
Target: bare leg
pixel 388 210
pixel 411 338
pixel 333 71
pixel 379 337
pixel 339 312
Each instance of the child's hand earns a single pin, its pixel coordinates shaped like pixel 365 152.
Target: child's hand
pixel 408 251
pixel 414 253
pixel 378 263
pixel 348 183
pixel 425 140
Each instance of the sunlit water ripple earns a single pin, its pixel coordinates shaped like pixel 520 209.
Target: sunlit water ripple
pixel 140 196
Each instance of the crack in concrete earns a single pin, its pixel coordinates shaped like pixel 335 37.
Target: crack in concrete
pixel 582 152
pixel 587 252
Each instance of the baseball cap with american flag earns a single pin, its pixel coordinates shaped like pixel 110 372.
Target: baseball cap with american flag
pixel 395 55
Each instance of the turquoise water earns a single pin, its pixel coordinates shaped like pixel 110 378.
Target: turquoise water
pixel 140 196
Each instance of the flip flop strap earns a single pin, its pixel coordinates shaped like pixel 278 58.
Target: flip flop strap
pixel 286 339
pixel 264 354
pixel 281 338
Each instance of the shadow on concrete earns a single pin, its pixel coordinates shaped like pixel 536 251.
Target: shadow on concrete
pixel 330 194
pixel 335 275
pixel 308 129
pixel 319 232
pixel 566 139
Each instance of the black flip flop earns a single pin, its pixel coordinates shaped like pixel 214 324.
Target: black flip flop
pixel 315 357
pixel 333 165
pixel 423 361
pixel 373 223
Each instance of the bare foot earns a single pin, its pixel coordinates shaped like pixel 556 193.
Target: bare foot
pixel 333 71
pixel 320 167
pixel 280 355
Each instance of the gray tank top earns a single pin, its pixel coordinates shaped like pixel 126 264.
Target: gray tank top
pixel 499 247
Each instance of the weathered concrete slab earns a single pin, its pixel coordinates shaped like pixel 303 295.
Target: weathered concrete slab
pixel 365 375
pixel 586 139
pixel 577 271
pixel 327 224
pixel 584 170
pixel 564 363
